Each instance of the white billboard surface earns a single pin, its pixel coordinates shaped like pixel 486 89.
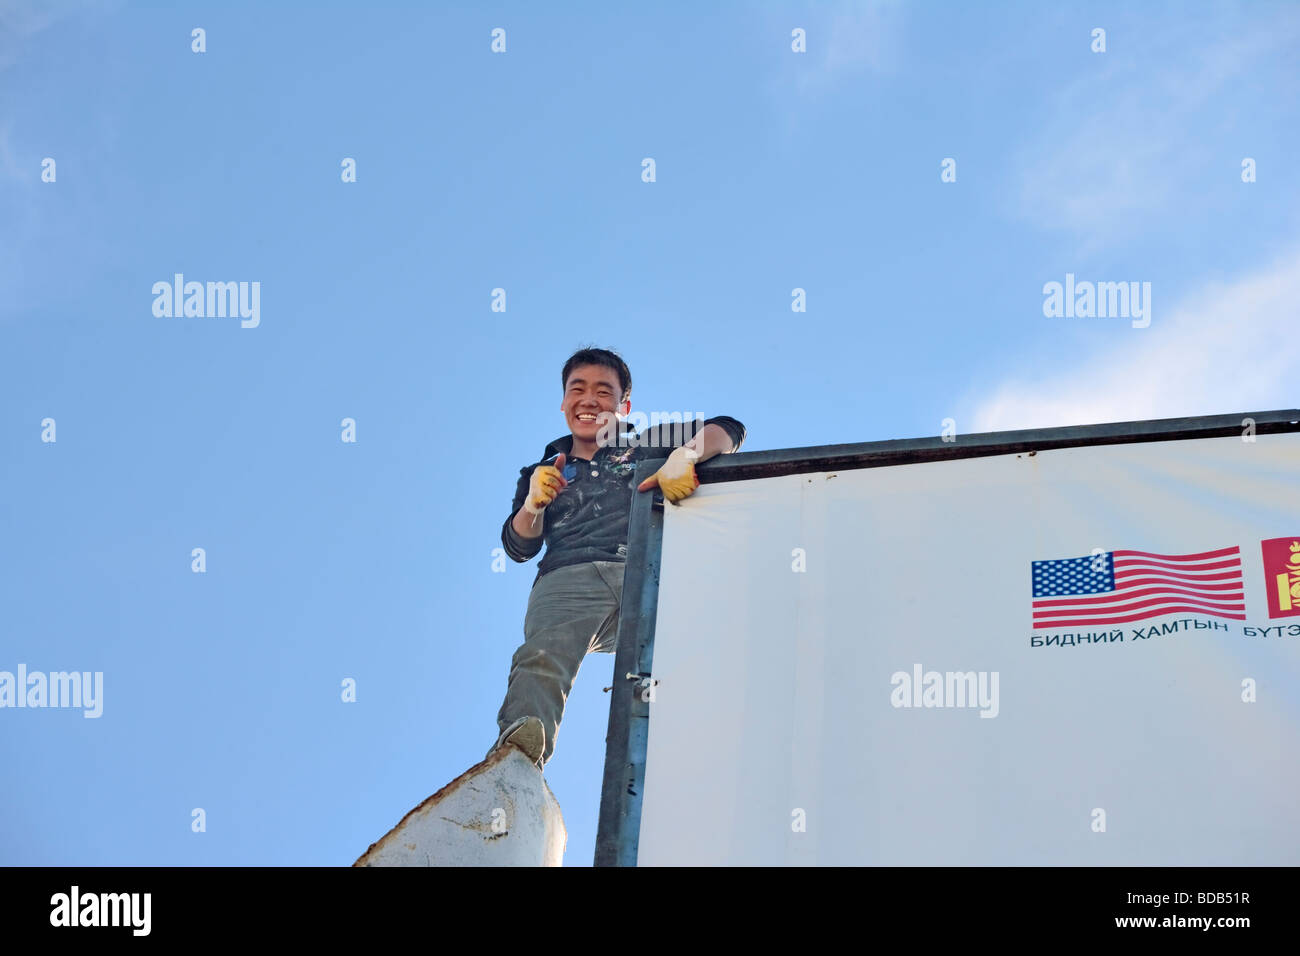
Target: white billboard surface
pixel 861 667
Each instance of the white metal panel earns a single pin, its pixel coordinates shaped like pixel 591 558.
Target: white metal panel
pixel 774 691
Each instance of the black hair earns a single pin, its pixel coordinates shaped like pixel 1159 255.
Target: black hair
pixel 595 356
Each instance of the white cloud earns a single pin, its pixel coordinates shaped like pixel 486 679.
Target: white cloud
pixel 1127 137
pixel 856 37
pixel 19 20
pixel 1226 349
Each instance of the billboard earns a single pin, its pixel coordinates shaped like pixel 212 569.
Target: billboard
pixel 1065 646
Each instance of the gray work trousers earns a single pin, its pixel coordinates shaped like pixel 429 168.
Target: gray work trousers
pixel 572 611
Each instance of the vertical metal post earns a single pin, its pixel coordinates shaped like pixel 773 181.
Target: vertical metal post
pixel 629 716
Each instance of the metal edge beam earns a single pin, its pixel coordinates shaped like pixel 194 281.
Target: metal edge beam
pixel 906 451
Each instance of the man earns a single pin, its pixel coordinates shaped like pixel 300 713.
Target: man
pixel 579 500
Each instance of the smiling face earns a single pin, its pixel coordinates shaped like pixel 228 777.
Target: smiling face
pixel 591 397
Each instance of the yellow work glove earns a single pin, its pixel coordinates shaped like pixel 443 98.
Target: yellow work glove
pixel 676 478
pixel 546 482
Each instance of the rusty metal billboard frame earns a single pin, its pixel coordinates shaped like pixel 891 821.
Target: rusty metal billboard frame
pixel 619 827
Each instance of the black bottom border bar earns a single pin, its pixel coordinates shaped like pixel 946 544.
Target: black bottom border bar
pixel 333 905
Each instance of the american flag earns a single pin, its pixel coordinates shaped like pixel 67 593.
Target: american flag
pixel 1115 587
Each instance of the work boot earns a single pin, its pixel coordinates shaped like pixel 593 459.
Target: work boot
pixel 527 734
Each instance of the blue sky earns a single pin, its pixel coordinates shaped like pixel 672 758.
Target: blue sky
pixel 522 170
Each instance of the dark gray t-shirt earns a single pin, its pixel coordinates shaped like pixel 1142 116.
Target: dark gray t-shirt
pixel 588 520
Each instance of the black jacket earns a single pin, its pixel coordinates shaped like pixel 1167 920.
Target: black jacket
pixel 588 520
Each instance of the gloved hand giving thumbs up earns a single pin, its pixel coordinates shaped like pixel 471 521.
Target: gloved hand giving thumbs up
pixel 547 481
